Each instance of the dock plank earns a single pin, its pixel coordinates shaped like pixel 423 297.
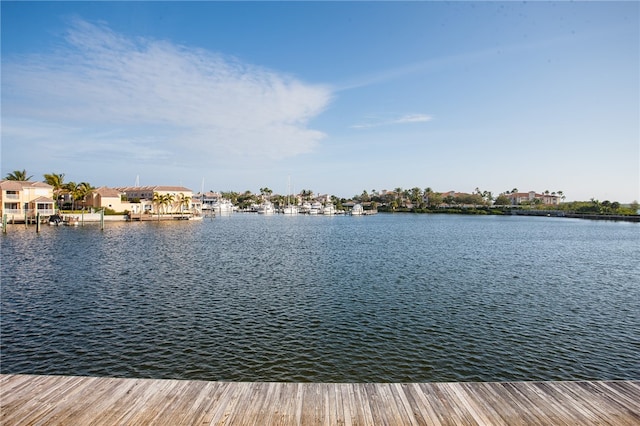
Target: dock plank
pixel 60 400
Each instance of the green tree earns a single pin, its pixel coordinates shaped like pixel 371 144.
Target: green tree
pixel 78 192
pixel 435 199
pixel 167 200
pixel 184 201
pixel 20 175
pixel 266 192
pixel 82 190
pixel 502 200
pixel 231 196
pixel 157 202
pixel 57 181
pixel 416 197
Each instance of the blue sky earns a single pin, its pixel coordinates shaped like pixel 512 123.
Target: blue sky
pixel 336 97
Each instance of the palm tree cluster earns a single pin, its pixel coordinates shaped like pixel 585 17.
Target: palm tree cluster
pixel 415 197
pixel 164 201
pixel 76 191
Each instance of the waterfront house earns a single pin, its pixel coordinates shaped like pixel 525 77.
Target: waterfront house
pixel 531 197
pixel 25 199
pixel 207 200
pixel 114 199
pixel 144 194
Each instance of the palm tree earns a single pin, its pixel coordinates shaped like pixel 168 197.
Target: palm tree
pixel 69 188
pixel 57 181
pixel 167 200
pixel 77 191
pixel 20 175
pixel 416 196
pixel 398 196
pixel 81 191
pixel 183 202
pixel 266 191
pixel 157 201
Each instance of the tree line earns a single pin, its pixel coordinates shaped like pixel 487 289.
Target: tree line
pixel 76 191
pixel 414 199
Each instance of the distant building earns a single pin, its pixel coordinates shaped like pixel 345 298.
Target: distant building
pixel 20 199
pixel 144 195
pixel 112 198
pixel 531 197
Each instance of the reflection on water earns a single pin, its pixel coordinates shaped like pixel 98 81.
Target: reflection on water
pixel 333 299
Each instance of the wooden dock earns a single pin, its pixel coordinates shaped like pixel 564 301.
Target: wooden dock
pixel 69 400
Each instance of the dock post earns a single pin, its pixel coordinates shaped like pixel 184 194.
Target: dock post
pixel 37 222
pixel 102 220
pixel 82 218
pixel 4 223
pixel 25 219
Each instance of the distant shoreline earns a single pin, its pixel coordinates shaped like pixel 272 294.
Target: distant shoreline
pixel 514 212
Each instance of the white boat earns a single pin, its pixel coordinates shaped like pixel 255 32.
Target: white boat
pixel 305 208
pixel 222 207
pixel 316 207
pixel 71 221
pixel 329 210
pixel 290 210
pixel 357 210
pixel 266 208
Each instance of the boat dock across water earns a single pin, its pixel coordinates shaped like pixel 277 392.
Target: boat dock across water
pixel 51 400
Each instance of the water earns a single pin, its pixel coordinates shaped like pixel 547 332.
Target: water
pixel 386 298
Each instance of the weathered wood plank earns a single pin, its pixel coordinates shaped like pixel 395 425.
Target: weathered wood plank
pixel 58 400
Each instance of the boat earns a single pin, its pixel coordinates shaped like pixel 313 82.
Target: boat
pixel 222 207
pixel 305 208
pixel 329 210
pixel 357 210
pixel 316 207
pixel 55 220
pixel 71 221
pixel 290 210
pixel 266 208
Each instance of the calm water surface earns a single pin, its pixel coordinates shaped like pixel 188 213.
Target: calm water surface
pixel 325 299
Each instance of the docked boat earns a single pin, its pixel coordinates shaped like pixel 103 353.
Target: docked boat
pixel 222 207
pixel 357 210
pixel 266 208
pixel 316 208
pixel 71 221
pixel 290 210
pixel 305 208
pixel 329 210
pixel 55 220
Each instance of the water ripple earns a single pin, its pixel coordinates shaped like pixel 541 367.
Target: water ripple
pixel 389 298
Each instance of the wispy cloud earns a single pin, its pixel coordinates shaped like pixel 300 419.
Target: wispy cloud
pixel 150 100
pixel 406 119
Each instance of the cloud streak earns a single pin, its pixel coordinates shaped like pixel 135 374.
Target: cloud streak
pixel 129 96
pixel 406 119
